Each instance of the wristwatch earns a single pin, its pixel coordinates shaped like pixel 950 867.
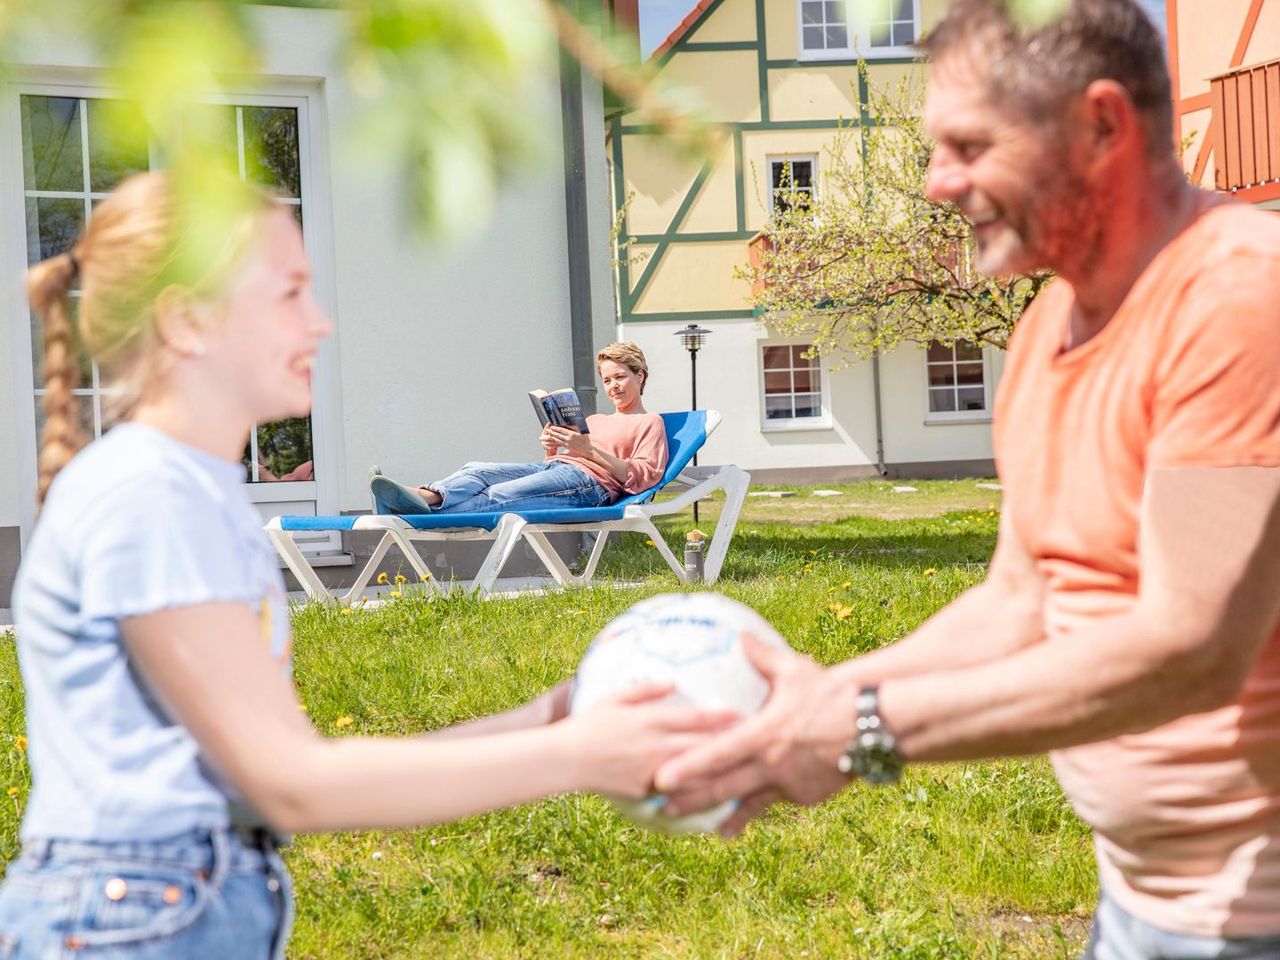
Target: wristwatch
pixel 872 754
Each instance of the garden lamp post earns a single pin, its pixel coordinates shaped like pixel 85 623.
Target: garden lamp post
pixel 692 337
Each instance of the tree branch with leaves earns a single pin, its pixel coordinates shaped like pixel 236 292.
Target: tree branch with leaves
pixel 868 261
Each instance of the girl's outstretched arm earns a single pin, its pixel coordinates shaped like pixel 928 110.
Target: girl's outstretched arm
pixel 207 663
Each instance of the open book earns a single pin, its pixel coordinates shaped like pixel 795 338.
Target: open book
pixel 559 408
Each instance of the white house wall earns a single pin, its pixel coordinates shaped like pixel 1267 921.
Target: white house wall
pixel 845 445
pixel 435 347
pixel 910 436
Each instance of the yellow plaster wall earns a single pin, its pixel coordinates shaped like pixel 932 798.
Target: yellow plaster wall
pixel 1265 44
pixel 813 93
pixel 656 179
pixel 727 82
pixel 757 147
pixel 888 77
pixel 733 20
pixel 698 276
pixel 781 26
pixel 638 257
pixel 715 209
pixel 931 12
pixel 1207 35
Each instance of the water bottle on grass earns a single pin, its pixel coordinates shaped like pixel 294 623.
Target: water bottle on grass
pixel 693 556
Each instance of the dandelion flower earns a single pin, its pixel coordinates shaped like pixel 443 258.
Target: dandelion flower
pixel 347 611
pixel 344 722
pixel 813 553
pixel 651 543
pixel 425 578
pixel 13 791
pixel 847 584
pixel 395 594
pixel 382 577
pixel 401 578
pixel 20 742
pixel 930 571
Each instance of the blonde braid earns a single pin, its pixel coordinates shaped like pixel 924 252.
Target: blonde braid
pixel 48 288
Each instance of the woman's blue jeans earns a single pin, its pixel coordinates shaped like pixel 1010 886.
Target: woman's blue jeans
pixel 200 896
pixel 500 487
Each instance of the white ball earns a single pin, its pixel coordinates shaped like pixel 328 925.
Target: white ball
pixel 694 642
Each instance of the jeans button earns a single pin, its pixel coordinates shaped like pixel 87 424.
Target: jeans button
pixel 273 884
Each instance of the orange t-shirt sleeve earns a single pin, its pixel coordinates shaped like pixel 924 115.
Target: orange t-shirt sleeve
pixel 1217 398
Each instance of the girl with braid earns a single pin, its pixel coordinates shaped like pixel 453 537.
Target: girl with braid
pixel 168 751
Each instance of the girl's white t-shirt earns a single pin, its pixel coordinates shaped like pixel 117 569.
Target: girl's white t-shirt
pixel 137 522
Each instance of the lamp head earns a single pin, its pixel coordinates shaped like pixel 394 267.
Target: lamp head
pixel 692 337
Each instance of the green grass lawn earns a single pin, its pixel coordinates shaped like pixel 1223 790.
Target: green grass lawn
pixel 966 860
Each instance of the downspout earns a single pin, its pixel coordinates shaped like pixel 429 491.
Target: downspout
pixel 576 222
pixel 875 387
pixel 864 118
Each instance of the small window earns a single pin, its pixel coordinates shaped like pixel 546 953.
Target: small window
pixel 957 378
pixel 792 384
pixel 890 23
pixel 824 25
pixel 837 29
pixel 791 183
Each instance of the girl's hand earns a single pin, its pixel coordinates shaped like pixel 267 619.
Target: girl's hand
pixel 621 742
pixel 578 444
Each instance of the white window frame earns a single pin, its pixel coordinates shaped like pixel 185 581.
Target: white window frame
pixel 792 158
pixel 857 46
pixel 820 422
pixel 320 496
pixel 961 416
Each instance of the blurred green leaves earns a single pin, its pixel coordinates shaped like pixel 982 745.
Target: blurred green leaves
pixel 452 93
pixel 1036 13
pixel 454 96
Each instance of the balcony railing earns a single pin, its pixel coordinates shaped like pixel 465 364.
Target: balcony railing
pixel 1246 107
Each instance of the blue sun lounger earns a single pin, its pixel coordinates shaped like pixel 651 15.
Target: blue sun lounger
pixel 686 433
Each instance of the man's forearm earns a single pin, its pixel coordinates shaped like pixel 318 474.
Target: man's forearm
pixel 984 623
pixel 1119 676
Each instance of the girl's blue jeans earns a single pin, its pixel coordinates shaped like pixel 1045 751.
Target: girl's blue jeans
pixel 499 487
pixel 199 896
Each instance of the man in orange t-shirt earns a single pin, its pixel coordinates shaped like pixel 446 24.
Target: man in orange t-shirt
pixel 1130 621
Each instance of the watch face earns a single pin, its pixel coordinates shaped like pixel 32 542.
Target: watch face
pixel 876 760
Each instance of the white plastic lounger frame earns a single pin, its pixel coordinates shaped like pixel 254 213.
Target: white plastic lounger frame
pixel 511 528
pixel 699 483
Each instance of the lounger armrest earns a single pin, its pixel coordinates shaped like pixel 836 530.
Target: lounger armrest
pixel 717 478
pixel 692 475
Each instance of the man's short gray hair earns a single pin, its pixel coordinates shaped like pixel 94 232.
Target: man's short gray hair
pixel 1038 67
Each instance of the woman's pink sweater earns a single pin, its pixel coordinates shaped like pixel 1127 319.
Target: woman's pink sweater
pixel 637 438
